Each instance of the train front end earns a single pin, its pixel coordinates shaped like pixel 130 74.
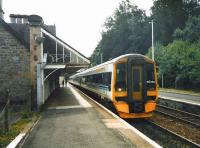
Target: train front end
pixel 135 89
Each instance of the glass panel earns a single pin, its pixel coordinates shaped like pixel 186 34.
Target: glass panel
pixel 150 72
pixel 136 78
pixel 150 77
pixel 137 82
pixel 120 77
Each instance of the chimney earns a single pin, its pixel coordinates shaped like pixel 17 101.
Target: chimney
pixel 18 19
pixel 1 10
pixel 35 20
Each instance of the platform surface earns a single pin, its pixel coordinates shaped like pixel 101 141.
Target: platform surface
pixel 187 98
pixel 73 127
pixel 72 123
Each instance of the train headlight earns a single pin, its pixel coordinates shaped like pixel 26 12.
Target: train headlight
pixel 119 89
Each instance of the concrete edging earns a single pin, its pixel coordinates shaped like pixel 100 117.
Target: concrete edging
pixel 20 139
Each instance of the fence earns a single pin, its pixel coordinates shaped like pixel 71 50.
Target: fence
pixel 4 125
pixel 13 110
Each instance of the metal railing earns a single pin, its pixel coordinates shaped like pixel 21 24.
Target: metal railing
pixel 58 58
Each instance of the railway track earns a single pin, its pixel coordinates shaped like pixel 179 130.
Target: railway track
pixel 180 115
pixel 161 135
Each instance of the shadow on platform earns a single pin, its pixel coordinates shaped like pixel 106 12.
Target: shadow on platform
pixel 61 97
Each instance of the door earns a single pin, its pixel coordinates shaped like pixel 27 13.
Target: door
pixel 137 82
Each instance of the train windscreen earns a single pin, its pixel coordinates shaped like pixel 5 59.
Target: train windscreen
pixel 151 85
pixel 120 77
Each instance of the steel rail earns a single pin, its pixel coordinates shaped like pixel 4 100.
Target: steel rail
pixel 198 116
pixel 162 135
pixel 180 115
pixel 177 136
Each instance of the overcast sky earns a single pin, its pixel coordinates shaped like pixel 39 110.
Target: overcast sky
pixel 78 22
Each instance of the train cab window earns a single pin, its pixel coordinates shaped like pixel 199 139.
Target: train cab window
pixel 120 77
pixel 150 77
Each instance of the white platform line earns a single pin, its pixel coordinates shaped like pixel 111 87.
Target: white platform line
pixel 153 143
pixel 15 142
pixel 79 98
pixel 66 107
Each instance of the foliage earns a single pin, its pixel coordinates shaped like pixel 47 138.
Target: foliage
pixel 179 63
pixel 176 33
pixel 14 130
pixel 170 15
pixel 127 31
pixel 191 32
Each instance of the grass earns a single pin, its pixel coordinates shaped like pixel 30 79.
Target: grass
pixel 16 128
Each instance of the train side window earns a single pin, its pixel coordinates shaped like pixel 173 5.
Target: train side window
pixel 83 79
pixel 107 78
pixel 120 77
pixel 99 78
pixel 86 79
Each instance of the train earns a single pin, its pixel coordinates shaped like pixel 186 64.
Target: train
pixel 129 82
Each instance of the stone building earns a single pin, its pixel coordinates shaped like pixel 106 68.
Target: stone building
pixel 14 67
pixel 32 58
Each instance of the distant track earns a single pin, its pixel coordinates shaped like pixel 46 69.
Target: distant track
pixel 186 117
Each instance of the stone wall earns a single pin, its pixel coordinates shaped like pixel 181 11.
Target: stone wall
pixel 14 67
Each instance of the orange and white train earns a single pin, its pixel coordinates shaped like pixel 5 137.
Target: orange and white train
pixel 128 81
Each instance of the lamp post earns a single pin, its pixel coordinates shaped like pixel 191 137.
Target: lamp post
pixel 152 40
pixel 101 57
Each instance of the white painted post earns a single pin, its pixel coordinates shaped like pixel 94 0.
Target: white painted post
pixel 40 88
pixel 152 41
pixel 41 47
pixel 101 57
pixel 162 81
pixel 76 59
pixel 56 51
pixel 63 54
pixel 70 56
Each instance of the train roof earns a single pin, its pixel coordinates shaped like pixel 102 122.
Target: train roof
pixel 112 61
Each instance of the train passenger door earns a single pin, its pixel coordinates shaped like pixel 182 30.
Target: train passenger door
pixel 137 82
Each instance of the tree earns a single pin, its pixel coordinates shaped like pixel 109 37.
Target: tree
pixel 170 15
pixel 179 63
pixel 127 31
pixel 191 32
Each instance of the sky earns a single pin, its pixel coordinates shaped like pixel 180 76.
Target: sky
pixel 78 22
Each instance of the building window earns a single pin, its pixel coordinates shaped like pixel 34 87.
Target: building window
pixel 19 20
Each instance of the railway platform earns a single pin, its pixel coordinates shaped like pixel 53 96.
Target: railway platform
pixel 180 97
pixel 73 120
